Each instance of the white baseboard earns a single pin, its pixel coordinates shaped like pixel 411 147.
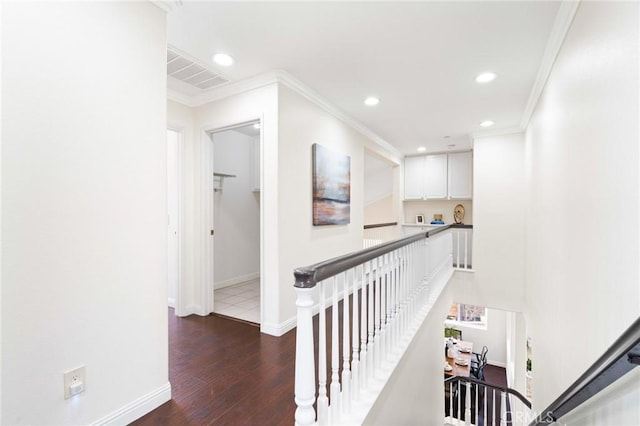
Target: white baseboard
pixel 497 363
pixel 138 408
pixel 235 280
pixel 171 302
pixel 278 329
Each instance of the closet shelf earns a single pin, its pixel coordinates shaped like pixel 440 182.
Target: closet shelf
pixel 218 180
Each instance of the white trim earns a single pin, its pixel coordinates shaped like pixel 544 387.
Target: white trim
pixel 167 5
pixel 177 301
pixel 561 25
pixel 279 329
pixel 498 364
pixel 181 98
pixel 236 280
pixel 282 77
pixel 310 94
pixel 495 132
pixel 234 88
pixel 138 408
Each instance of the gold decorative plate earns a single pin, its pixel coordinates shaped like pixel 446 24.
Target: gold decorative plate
pixel 458 213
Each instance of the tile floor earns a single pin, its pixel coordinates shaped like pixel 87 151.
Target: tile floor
pixel 240 301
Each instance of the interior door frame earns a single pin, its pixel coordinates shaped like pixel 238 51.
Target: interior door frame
pixel 179 309
pixel 207 244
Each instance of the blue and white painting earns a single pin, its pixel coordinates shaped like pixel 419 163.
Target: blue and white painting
pixel 331 187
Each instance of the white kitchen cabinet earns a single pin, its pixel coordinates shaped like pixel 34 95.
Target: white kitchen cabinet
pixel 414 178
pixel 438 177
pixel 460 176
pixel 435 177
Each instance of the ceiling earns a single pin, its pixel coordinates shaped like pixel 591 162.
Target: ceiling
pixel 419 58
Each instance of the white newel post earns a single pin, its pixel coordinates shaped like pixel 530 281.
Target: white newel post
pixel 305 368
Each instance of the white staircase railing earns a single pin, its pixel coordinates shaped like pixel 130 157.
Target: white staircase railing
pixel 473 402
pixel 378 297
pixel 380 233
pixel 462 243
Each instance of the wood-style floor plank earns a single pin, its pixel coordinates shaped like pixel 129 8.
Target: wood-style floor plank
pixel 226 372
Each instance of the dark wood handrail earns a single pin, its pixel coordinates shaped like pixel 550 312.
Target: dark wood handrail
pixel 380 225
pixel 309 276
pixel 514 392
pixel 621 357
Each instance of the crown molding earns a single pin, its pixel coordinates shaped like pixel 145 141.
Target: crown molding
pixel 286 79
pixel 167 5
pixel 561 26
pixel 176 96
pixel 496 132
pixel 310 94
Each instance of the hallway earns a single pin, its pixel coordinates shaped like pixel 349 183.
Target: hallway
pixel 226 372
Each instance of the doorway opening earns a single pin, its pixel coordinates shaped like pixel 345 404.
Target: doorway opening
pixel 236 222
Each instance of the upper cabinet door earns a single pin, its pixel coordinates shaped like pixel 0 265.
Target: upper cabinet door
pixel 460 176
pixel 435 181
pixel 414 178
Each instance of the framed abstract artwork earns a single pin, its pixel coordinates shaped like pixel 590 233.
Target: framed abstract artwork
pixel 331 187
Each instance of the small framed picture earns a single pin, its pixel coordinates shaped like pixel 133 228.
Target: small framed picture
pixel 420 218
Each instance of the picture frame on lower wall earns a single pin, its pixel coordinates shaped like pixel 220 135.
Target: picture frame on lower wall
pixel 420 219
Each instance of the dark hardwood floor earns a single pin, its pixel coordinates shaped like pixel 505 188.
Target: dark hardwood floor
pixel 226 372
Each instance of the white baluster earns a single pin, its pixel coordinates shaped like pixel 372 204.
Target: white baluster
pixel 323 400
pixel 335 357
pixel 484 397
pixel 466 251
pixel 467 404
pixel 376 294
pixel 355 363
pixel 363 326
pixel 388 330
pixel 383 300
pixel 394 299
pixel 458 249
pixel 475 417
pixel 370 324
pixel 493 407
pixel 305 369
pixel 503 408
pixel 346 350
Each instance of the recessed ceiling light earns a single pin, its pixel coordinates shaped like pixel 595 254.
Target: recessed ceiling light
pixel 486 77
pixel 223 59
pixel 371 101
pixel 487 123
pixel 451 145
pixel 446 136
pixel 256 126
pixel 422 149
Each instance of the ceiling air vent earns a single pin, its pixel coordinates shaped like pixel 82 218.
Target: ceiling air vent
pixel 187 70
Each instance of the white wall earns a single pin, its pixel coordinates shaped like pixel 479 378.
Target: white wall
pixel 378 183
pixel 582 228
pixel 494 337
pixel 236 211
pixel 381 211
pixel 498 234
pixel 84 248
pixel 301 124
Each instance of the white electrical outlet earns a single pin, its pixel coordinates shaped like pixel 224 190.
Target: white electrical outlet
pixel 74 382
